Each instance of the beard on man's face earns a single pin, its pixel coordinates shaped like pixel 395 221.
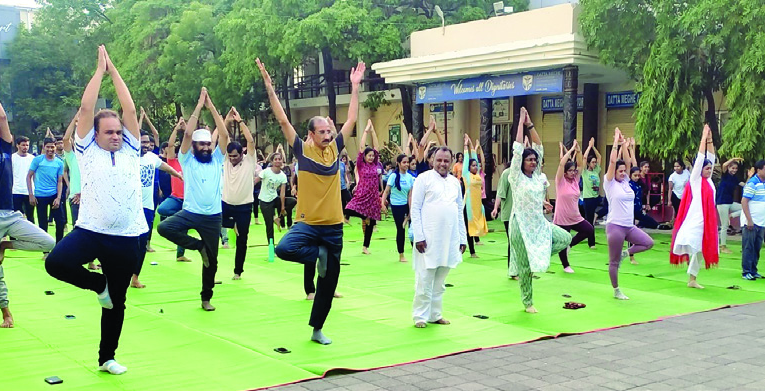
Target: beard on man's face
pixel 202 156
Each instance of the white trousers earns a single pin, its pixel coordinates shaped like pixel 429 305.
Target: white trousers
pixel 726 211
pixel 695 265
pixel 429 294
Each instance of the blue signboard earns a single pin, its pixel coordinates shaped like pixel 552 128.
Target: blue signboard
pixel 488 87
pixel 10 19
pixel 622 99
pixel 552 104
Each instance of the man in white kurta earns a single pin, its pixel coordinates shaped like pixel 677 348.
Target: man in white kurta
pixel 439 235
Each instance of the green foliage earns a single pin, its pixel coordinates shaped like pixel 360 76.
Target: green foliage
pixel 375 100
pixel 680 53
pixel 389 152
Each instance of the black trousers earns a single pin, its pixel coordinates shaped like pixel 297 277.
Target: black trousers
pixel 590 206
pixel 118 256
pixel 175 229
pixel 345 197
pixel 143 240
pixel 583 230
pixel 271 208
pixel 301 245
pixel 399 214
pixel 75 212
pixel 507 231
pixel 675 203
pixel 21 204
pixel 645 221
pixel 368 230
pixel 63 205
pixel 470 240
pixel 43 204
pixel 239 216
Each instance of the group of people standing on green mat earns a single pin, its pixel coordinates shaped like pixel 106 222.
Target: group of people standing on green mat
pixel 216 182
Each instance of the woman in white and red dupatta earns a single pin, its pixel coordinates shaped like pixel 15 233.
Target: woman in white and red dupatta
pixel 695 230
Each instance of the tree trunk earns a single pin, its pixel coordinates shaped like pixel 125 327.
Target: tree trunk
pixel 286 94
pixel 710 117
pixel 329 80
pixel 406 107
pixel 178 111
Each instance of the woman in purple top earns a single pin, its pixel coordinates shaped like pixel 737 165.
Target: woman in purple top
pixel 620 223
pixel 567 214
pixel 366 198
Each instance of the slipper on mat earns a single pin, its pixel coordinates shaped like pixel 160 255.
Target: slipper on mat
pixel 572 305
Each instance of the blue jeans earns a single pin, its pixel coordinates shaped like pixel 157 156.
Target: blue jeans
pixel 170 206
pixel 301 245
pixel 751 243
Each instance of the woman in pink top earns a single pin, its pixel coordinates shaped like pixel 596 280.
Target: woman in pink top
pixel 567 214
pixel 620 223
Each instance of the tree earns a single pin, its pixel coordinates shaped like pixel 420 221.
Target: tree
pixel 680 53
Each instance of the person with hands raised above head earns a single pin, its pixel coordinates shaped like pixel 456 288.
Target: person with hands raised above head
pixel 695 230
pixel 201 162
pixel 111 215
pixel 366 198
pixel 620 223
pixel 471 182
pixel 533 239
pixel 174 202
pixel 318 231
pixel 567 214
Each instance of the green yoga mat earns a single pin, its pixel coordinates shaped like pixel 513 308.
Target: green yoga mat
pixel 169 343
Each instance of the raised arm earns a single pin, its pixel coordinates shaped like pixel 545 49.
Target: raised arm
pixel 532 130
pixel 731 161
pixel 69 132
pixel 578 157
pixel 562 165
pixel 431 128
pixel 223 136
pixel 407 140
pixel 357 74
pixel 170 151
pixel 363 138
pixel 375 141
pixel 706 145
pixel 276 105
pixel 129 114
pixel 191 126
pixel 479 156
pixel 521 122
pixel 166 168
pixel 248 136
pixel 631 151
pixel 154 131
pixel 90 96
pixel 440 138
pixel 614 155
pixel 5 130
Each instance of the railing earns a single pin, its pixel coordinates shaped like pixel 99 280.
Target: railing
pixel 313 86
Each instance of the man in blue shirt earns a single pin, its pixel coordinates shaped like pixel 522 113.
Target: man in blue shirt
pixel 753 222
pixel 202 168
pixel 47 173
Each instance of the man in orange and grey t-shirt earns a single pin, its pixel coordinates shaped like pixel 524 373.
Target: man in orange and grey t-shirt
pixel 318 231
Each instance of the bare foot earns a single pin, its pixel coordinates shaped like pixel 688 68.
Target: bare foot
pixel 137 284
pixel 337 295
pixel 149 249
pixel 236 277
pixel 632 260
pixel 278 223
pixel 694 284
pixel 592 247
pixel 207 306
pixel 7 323
pixel 93 266
pixel 473 255
pixel 257 222
pixel 226 246
pixel 401 258
pixel 420 325
pixel 514 278
pixel 480 243
pixel 182 259
pixel 310 296
pixel 442 321
pixel 365 251
pixel 530 309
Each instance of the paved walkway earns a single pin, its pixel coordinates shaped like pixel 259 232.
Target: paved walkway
pixel 716 350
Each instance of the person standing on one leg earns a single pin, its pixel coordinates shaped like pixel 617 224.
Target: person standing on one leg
pixel 439 234
pixel 26 236
pixel 174 203
pixel 366 198
pixel 503 205
pixel 22 159
pixel 150 162
pixel 620 222
pixel 238 172
pixel 472 183
pixel 753 221
pixel 46 173
pixel 726 208
pixel 695 232
pixel 533 238
pixel 202 170
pixel 567 214
pixel 318 231
pixel 111 217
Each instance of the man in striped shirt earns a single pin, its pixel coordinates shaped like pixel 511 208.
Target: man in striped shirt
pixel 753 219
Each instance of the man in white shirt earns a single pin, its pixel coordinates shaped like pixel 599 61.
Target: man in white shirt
pixel 150 162
pixel 439 236
pixel 111 218
pixel 201 163
pixel 21 161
